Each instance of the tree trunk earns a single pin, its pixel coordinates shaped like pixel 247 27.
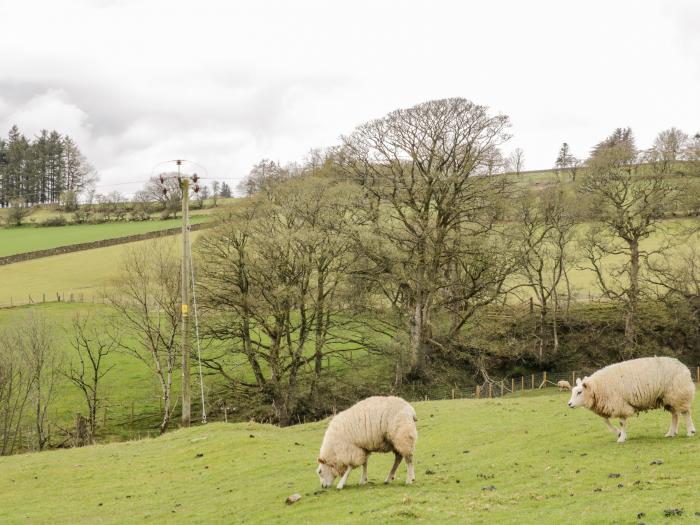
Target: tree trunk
pixel 420 333
pixel 632 299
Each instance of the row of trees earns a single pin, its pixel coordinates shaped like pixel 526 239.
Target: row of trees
pixel 419 242
pixel 41 169
pixel 672 152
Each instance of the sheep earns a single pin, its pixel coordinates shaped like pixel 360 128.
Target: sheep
pixel 375 424
pixel 624 389
pixel 563 385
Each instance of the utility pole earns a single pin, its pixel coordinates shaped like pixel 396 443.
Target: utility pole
pixel 185 285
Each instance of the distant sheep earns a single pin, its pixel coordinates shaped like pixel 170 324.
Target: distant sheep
pixel 563 385
pixel 375 424
pixel 624 389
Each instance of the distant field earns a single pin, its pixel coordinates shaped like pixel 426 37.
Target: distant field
pixel 29 238
pixel 520 460
pixel 87 272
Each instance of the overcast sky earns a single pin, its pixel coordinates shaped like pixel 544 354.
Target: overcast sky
pixel 225 84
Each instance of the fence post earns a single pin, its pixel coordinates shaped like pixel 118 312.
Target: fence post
pixel 501 387
pixel 532 385
pixel 544 379
pixel 573 378
pixel 697 374
pixel 522 382
pixel 132 413
pixel 453 393
pixel 490 390
pixel 225 414
pixel 512 385
pixel 478 391
pixel 43 298
pixel 104 418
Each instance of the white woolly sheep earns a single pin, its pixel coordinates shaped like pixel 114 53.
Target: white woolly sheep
pixel 375 424
pixel 624 389
pixel 563 385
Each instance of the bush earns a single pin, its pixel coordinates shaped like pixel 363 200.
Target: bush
pixel 138 215
pixel 81 215
pixel 56 220
pixel 97 218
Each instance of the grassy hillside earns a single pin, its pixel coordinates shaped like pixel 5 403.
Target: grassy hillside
pixel 519 460
pixel 86 272
pixel 28 238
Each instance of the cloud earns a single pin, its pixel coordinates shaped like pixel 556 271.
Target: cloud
pixel 226 84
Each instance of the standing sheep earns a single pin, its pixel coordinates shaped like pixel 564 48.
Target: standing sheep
pixel 624 389
pixel 375 424
pixel 563 385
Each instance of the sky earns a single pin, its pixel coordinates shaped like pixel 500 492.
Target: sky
pixel 226 84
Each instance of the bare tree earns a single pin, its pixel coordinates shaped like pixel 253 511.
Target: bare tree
pixel 273 280
pixel 546 228
pixel 15 387
pixel 567 161
pixel 18 211
pixel 629 206
pixel 215 188
pixel 419 165
pixel 516 161
pixel 147 299
pixel 667 149
pixel 264 176
pixel 92 344
pixel 35 339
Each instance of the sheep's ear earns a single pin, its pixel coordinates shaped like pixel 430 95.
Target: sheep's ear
pixel 584 384
pixel 578 381
pixel 322 461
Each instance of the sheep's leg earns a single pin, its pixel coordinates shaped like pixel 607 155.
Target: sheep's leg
pixel 612 427
pixel 623 434
pixel 410 475
pixel 342 481
pixel 673 430
pixel 363 478
pixel 392 472
pixel 690 428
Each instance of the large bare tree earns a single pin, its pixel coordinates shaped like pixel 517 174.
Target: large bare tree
pixel 421 166
pixel 274 281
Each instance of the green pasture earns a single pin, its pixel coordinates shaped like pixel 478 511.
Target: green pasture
pixel 519 460
pixel 30 238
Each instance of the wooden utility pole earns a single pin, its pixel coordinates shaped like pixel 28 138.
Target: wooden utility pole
pixel 185 284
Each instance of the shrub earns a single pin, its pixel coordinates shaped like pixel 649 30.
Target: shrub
pixel 56 220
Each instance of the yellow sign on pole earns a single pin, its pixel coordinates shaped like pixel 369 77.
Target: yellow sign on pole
pixel 185 309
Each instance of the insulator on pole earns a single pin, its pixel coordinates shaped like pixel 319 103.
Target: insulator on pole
pixel 196 188
pixel 165 191
pixel 162 179
pixel 195 178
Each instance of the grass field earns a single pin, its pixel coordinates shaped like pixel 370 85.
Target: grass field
pixel 29 238
pixel 86 272
pixel 516 460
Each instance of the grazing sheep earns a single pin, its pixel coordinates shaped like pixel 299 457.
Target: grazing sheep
pixel 563 385
pixel 624 389
pixel 375 424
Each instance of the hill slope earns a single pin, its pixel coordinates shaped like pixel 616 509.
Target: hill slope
pixel 520 460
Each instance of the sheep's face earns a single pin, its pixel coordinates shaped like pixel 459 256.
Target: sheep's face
pixel 326 473
pixel 577 394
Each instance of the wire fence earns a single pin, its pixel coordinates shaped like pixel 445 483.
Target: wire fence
pixel 495 388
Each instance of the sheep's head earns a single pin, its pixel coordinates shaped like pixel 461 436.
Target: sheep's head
pixel 578 393
pixel 326 473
